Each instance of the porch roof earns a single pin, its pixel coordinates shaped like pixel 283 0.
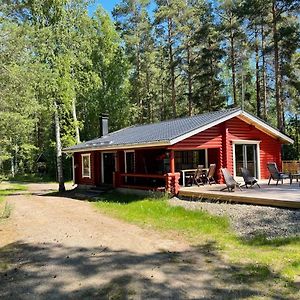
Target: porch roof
pixel 169 132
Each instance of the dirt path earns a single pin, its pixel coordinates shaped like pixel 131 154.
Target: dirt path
pixel 61 248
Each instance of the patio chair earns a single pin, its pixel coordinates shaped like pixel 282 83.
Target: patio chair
pixel 199 176
pixel 248 179
pixel 229 181
pixel 209 177
pixel 275 174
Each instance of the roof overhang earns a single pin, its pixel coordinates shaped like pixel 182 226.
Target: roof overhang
pixel 119 147
pixel 248 118
pixel 261 125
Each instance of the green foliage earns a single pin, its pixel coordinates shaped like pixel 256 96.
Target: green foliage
pixel 55 55
pixel 183 58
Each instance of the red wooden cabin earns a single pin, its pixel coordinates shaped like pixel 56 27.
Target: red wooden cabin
pixel 152 156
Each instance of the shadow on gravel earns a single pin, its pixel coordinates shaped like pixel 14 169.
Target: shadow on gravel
pixel 52 271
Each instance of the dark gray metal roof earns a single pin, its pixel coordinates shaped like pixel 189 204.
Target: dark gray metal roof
pixel 154 133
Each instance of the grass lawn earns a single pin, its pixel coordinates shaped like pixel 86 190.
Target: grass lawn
pixel 278 258
pixel 5 190
pixel 33 178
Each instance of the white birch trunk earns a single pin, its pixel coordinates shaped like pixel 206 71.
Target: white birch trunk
pixel 77 134
pixel 58 150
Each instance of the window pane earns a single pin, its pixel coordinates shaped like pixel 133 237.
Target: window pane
pixel 86 166
pixel 239 159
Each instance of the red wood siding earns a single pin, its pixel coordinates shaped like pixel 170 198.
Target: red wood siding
pixel 210 138
pixel 218 140
pixel 270 148
pixel 221 137
pixel 95 169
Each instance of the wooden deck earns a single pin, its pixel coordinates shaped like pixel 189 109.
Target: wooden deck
pixel 285 195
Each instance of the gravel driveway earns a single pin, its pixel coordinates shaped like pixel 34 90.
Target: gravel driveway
pixel 61 248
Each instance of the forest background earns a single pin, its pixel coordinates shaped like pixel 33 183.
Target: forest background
pixel 63 65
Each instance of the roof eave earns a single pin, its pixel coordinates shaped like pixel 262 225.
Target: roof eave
pixel 267 128
pixel 119 147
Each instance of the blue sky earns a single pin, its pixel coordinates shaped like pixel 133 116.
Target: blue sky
pixel 108 5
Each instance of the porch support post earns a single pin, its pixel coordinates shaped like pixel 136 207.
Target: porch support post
pixel 172 162
pixel 172 178
pixel 224 151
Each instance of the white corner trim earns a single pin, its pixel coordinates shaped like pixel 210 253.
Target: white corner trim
pixel 267 127
pixel 82 169
pixel 200 129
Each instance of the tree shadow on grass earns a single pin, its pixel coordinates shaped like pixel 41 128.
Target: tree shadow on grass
pixel 262 240
pixel 54 271
pixel 106 196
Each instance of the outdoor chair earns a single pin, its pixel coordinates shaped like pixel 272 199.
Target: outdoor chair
pixel 199 176
pixel 209 177
pixel 229 181
pixel 275 174
pixel 248 179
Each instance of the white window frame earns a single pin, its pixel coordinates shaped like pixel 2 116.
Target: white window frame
pixel 82 168
pixel 246 142
pixel 125 161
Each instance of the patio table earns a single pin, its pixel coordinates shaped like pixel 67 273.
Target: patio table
pixel 184 172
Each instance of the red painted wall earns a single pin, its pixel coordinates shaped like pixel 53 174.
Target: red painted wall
pixel 270 148
pixel 210 138
pixel 220 138
pixel 95 169
pixel 217 139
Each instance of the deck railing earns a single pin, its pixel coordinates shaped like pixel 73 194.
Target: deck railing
pixel 142 181
pixel 291 166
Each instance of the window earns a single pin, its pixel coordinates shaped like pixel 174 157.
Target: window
pixel 246 155
pixel 86 165
pixel 190 159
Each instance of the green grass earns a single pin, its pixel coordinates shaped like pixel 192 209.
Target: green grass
pixel 5 190
pixel 262 256
pixel 33 178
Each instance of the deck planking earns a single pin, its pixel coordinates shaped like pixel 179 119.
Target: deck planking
pixel 286 195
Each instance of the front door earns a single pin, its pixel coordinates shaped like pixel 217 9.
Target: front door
pixel 246 157
pixel 108 167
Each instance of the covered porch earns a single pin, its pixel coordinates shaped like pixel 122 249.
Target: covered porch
pixel 158 168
